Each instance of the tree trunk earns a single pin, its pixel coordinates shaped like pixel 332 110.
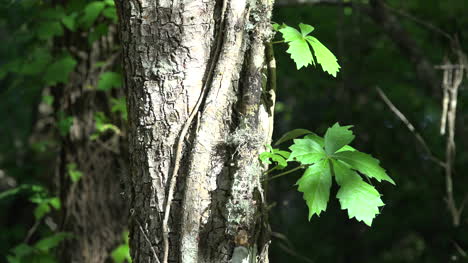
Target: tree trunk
pixel 195 73
pixel 92 208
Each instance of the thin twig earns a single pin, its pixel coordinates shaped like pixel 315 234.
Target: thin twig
pixel 459 249
pixel 419 21
pixel 31 231
pixel 455 77
pixel 410 127
pixel 148 240
pixel 288 248
pixel 285 173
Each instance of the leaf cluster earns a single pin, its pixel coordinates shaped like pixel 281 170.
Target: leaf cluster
pixel 301 45
pixel 332 157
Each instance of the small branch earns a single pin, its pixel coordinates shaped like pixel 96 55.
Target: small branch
pixel 459 249
pixel 285 173
pixel 32 230
pixel 288 248
pixel 410 127
pixel 419 21
pixel 148 240
pixel 271 170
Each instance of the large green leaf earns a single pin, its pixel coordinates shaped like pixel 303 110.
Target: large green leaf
pixel 324 56
pixel 365 164
pixel 360 198
pixel 298 47
pixel 52 241
pixel 336 137
pixel 91 13
pixel 49 29
pixel 306 151
pixel 315 184
pixel 60 70
pixel 109 80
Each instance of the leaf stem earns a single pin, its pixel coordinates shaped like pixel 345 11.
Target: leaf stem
pixel 277 42
pixel 285 173
pixel 271 170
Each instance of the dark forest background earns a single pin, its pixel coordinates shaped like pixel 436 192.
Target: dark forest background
pixel 379 44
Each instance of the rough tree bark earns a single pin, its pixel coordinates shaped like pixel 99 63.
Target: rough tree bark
pixel 195 72
pixel 92 208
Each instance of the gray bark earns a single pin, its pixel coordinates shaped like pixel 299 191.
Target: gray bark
pixel 207 58
pixel 92 208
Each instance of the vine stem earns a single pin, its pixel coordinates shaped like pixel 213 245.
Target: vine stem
pixel 271 170
pixel 287 172
pixel 277 42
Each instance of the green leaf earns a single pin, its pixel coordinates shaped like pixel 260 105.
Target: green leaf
pixel 51 242
pixel 121 254
pixel 364 163
pixel 91 13
pixel 305 29
pixel 69 21
pixel 48 99
pixel 22 250
pixel 285 154
pixel 37 62
pixel 97 32
pixel 268 157
pixel 337 137
pixel 60 70
pixel 276 26
pixel 52 13
pixel 48 29
pixel 109 80
pixel 73 172
pixel 306 151
pixel 298 47
pixel 41 210
pixel 55 202
pixel 119 105
pixel 360 198
pixel 64 123
pixel 11 192
pixel 109 2
pixel 315 184
pixel 292 135
pixel 111 13
pixel 324 56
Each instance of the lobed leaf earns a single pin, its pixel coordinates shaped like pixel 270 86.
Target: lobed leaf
pixel 109 80
pixel 324 56
pixel 337 137
pixel 315 184
pixel 361 199
pixel 364 163
pixel 298 47
pixel 306 151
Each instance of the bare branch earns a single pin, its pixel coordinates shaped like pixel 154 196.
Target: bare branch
pixel 410 127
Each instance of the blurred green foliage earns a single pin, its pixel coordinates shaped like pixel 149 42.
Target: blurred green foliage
pixel 31 59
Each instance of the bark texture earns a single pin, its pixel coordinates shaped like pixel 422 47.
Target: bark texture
pixel 92 208
pixel 176 54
